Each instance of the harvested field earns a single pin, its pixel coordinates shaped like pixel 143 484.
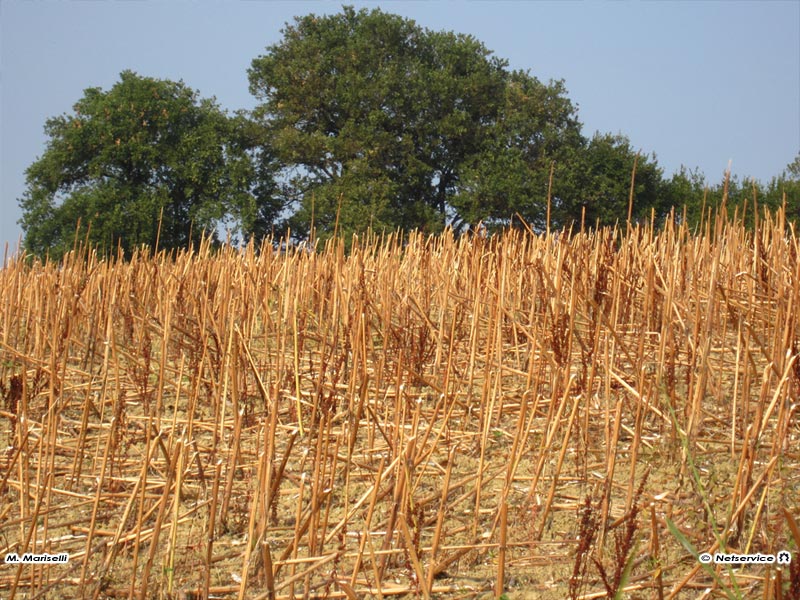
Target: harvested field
pixel 545 416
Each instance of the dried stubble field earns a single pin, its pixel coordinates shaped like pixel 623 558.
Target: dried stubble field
pixel 541 416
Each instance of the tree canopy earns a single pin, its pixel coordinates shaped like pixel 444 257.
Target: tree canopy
pixel 364 119
pixel 144 150
pixel 374 117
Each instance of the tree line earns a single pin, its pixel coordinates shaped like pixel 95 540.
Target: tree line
pixel 364 119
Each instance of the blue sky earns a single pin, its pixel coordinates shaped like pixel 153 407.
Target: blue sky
pixel 698 83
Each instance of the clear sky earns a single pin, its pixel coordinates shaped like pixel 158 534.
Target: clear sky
pixel 698 83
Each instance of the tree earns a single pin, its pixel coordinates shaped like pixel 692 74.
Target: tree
pixel 687 191
pixel 145 149
pixel 792 171
pixel 537 130
pixel 598 185
pixel 380 122
pixel 742 197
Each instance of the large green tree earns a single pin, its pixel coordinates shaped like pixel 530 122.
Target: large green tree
pixel 385 123
pixel 146 149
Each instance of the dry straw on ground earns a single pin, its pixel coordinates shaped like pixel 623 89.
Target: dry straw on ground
pixel 541 416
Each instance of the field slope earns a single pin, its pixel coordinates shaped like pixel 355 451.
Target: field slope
pixel 544 416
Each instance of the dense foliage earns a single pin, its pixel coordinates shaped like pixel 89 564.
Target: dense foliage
pixel 146 151
pixel 365 119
